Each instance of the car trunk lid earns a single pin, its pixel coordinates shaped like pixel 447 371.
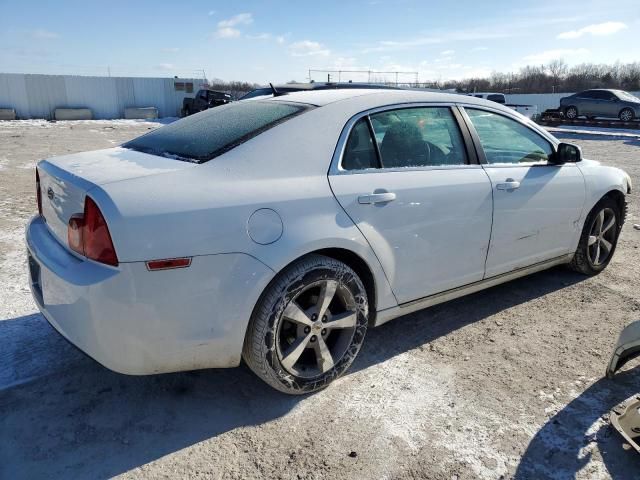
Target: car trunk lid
pixel 65 180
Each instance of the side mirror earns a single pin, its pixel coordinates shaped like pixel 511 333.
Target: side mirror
pixel 568 153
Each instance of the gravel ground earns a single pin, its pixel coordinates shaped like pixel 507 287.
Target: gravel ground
pixel 506 383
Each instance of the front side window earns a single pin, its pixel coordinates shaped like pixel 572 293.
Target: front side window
pixel 201 137
pixel 418 137
pixel 506 141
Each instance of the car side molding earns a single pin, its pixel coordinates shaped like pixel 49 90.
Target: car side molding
pixel 384 316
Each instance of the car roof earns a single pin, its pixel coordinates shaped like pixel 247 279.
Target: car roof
pixel 372 98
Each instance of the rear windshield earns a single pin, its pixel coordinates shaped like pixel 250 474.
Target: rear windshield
pixel 206 135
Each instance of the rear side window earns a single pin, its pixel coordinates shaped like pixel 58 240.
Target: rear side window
pixel 360 152
pixel 201 137
pixel 418 137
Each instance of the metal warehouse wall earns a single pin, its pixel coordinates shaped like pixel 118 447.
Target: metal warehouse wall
pixel 37 96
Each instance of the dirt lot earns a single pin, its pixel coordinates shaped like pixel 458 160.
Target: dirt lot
pixel 506 383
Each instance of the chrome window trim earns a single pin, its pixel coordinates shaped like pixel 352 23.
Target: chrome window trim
pixel 336 161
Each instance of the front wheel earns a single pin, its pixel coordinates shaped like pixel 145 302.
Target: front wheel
pixel 599 238
pixel 308 326
pixel 626 115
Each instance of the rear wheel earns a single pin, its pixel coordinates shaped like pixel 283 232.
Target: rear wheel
pixel 599 238
pixel 571 113
pixel 626 115
pixel 308 326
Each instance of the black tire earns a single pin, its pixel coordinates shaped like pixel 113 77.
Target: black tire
pixel 591 118
pixel 571 112
pixel 271 332
pixel 187 111
pixel 626 115
pixel 583 259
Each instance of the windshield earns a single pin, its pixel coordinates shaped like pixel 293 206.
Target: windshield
pixel 627 96
pixel 206 135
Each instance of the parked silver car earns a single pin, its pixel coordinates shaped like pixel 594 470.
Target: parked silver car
pixel 601 103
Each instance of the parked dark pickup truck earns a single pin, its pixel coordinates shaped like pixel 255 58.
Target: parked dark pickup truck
pixel 204 99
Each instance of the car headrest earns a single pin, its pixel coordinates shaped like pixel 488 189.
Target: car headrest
pixel 402 145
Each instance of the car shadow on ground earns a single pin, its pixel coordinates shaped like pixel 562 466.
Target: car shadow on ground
pixel 64 415
pixel 565 444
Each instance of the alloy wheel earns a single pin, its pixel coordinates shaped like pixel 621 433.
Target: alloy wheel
pixel 571 113
pixel 602 236
pixel 626 115
pixel 316 328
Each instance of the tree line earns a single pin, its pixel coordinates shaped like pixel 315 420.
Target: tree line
pixel 554 77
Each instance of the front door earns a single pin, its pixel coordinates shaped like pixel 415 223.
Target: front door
pixel 425 211
pixel 537 204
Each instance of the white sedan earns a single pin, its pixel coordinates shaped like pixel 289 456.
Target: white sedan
pixel 279 230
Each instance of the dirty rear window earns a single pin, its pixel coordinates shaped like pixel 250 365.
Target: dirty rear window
pixel 206 135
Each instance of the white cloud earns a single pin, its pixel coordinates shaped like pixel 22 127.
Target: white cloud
pixel 447 53
pixel 171 50
pixel 240 19
pixel 447 37
pixel 261 36
pixel 597 29
pixel 280 39
pixel 212 13
pixel 165 66
pixel 227 32
pixel 42 34
pixel 227 28
pixel 549 55
pixel 479 49
pixel 307 48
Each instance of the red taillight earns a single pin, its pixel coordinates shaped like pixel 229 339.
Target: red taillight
pixel 38 193
pixel 88 234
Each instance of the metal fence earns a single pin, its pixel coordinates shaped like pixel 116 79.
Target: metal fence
pixel 37 96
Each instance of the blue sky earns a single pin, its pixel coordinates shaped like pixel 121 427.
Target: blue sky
pixel 262 41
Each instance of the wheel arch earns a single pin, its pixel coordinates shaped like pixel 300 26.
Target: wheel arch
pixel 361 267
pixel 619 198
pixel 353 260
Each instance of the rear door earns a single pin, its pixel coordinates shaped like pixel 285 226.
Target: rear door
pixel 587 103
pixel 410 183
pixel 537 204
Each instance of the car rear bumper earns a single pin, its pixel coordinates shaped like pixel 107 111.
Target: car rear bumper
pixel 138 322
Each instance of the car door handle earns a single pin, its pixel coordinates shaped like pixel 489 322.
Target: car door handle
pixel 509 184
pixel 383 197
